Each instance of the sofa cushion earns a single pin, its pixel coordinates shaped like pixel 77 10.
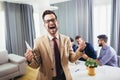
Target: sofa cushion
pixel 3 57
pixel 16 58
pixel 8 68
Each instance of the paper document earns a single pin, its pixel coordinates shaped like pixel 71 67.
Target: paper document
pixel 28 46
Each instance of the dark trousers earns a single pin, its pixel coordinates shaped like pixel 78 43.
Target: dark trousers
pixel 61 77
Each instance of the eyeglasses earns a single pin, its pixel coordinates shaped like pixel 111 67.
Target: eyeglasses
pixel 52 20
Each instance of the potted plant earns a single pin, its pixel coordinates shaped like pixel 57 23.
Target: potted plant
pixel 91 64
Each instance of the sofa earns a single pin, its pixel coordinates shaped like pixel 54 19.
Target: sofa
pixel 11 65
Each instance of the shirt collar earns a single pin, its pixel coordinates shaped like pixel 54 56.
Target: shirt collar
pixel 105 47
pixel 51 37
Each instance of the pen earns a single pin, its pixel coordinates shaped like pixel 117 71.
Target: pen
pixel 76 70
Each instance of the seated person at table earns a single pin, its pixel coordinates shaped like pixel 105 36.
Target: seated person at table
pixel 108 55
pixel 89 50
pixel 74 46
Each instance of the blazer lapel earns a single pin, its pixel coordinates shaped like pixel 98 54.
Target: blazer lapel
pixel 61 45
pixel 47 45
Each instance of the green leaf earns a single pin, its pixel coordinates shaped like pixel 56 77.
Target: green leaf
pixel 91 63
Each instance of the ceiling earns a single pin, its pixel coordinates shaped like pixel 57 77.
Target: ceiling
pixel 35 1
pixel 38 4
pixel 48 2
pixel 101 2
pixel 41 4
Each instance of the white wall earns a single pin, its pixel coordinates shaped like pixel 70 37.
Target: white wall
pixel 2 30
pixel 39 26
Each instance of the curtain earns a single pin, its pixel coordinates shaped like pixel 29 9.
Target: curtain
pixel 19 27
pixel 75 18
pixel 115 26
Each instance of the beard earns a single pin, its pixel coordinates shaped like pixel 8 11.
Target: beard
pixel 100 45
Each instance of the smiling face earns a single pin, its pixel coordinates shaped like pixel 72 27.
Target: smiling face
pixel 51 24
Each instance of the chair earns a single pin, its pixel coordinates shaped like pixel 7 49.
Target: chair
pixel 11 65
pixel 118 57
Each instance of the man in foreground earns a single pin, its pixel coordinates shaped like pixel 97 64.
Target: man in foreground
pixel 52 52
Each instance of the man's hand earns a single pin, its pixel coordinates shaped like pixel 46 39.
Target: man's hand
pixel 85 56
pixel 29 55
pixel 81 46
pixel 98 62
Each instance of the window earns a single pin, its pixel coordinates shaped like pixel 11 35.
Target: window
pixel 101 20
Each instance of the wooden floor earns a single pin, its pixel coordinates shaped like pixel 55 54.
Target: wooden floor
pixel 29 75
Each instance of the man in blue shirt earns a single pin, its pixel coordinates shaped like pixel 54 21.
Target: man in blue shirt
pixel 89 50
pixel 107 55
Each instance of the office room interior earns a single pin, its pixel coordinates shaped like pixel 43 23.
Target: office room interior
pixel 21 20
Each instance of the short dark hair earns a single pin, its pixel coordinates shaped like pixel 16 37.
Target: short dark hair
pixel 46 12
pixel 103 37
pixel 71 39
pixel 77 37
